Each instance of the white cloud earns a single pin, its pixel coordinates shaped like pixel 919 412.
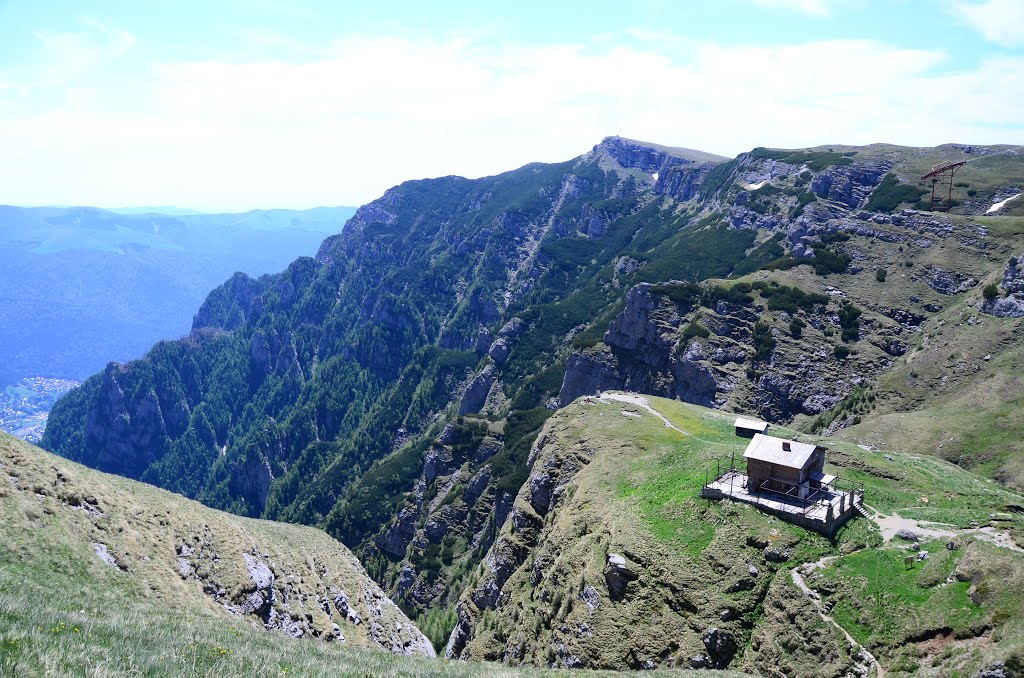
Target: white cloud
pixel 66 57
pixel 370 113
pixel 815 7
pixel 999 21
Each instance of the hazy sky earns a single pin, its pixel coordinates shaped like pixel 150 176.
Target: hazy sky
pixel 239 104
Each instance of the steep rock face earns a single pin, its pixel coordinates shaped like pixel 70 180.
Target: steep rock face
pixel 450 514
pixel 339 360
pixel 476 393
pixel 126 436
pixel 647 349
pixel 588 372
pixel 849 184
pixel 1012 304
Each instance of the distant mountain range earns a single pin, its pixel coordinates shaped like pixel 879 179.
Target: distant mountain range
pixel 80 286
pixel 166 209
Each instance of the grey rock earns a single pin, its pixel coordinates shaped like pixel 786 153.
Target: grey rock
pixel 398 536
pixel 996 669
pixel 617 576
pixel 1010 306
pixel 590 597
pixel 950 282
pixel 587 373
pixel 849 184
pixel 695 382
pixel 500 349
pixel 435 529
pixel 103 554
pixel 1013 275
pixel 475 395
pixel 406 578
pixel 260 600
pixel 438 459
pixel 776 555
pixel 476 486
pixel 513 328
pixel 721 646
pixel 341 603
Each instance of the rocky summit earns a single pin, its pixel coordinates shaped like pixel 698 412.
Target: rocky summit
pixel 432 389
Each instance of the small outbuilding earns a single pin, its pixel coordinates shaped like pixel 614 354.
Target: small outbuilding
pixel 748 428
pixel 785 466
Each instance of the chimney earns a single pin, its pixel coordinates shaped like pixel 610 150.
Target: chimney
pixel 786 446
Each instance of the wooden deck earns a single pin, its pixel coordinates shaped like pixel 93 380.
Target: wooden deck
pixel 810 514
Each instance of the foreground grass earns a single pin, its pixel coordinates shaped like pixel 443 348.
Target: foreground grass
pixel 49 625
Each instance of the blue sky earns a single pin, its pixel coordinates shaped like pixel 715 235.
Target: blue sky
pixel 233 105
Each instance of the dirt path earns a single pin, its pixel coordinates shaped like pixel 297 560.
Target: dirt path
pixel 890 525
pixel 642 402
pixel 815 599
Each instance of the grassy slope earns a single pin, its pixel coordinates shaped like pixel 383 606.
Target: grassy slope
pixel 640 496
pixel 957 392
pixel 65 612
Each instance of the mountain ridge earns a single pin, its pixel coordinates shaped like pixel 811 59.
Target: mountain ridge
pixel 391 389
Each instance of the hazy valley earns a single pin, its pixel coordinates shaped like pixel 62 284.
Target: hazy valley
pixel 80 286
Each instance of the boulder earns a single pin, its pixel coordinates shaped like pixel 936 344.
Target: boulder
pixel 617 576
pixel 721 646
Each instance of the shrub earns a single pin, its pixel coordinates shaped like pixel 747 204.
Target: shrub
pixel 990 292
pixel 694 330
pixel 842 352
pixel 826 261
pixel 762 340
pixel 737 294
pixel 790 299
pixel 849 320
pixel 891 193
pixel 880 274
pixel 796 328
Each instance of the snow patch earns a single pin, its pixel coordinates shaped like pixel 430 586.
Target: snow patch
pixel 754 187
pixel 1001 204
pixel 654 175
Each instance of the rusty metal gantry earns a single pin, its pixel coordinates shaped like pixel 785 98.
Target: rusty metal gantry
pixel 943 172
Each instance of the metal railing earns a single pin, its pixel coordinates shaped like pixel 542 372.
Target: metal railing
pixel 850 493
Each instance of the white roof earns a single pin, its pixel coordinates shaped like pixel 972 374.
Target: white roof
pixel 823 478
pixel 751 424
pixel 770 449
